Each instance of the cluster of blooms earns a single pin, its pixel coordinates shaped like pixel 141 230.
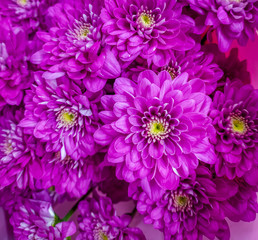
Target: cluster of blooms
pixel 104 101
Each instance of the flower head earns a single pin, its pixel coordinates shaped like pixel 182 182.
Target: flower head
pixel 232 19
pixel 234 117
pixel 156 129
pixel 19 165
pixel 74 45
pixel 145 28
pixel 61 114
pixel 98 220
pixel 35 219
pixel 191 211
pixel 68 175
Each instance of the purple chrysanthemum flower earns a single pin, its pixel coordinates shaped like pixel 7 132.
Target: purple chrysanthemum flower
pixel 74 44
pixel 98 221
pixel 63 115
pixel 14 73
pixel 235 119
pixel 191 211
pixel 19 166
pixel 70 176
pixel 26 13
pixel 195 62
pixel 146 28
pixel 156 129
pixel 35 219
pixel 233 19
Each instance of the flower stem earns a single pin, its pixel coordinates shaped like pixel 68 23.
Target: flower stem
pixel 74 208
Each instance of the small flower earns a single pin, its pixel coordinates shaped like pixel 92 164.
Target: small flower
pixel 146 29
pixel 191 211
pixel 60 114
pixel 98 220
pixel 35 219
pixel 156 130
pixel 70 176
pixel 74 45
pixel 19 166
pixel 234 117
pixel 232 19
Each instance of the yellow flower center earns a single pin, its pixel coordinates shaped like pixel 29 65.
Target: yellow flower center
pixel 104 236
pixel 238 125
pixel 157 128
pixel 181 201
pixel 22 2
pixel 145 18
pixel 68 117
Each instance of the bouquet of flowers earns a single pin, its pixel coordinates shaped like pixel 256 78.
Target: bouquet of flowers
pixel 134 101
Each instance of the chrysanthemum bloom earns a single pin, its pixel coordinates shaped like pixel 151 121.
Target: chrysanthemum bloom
pixel 146 28
pixel 19 166
pixel 70 176
pixel 156 129
pixel 60 114
pixel 35 219
pixel 243 205
pixel 232 19
pixel 192 210
pixel 98 220
pixel 27 14
pixel 235 119
pixel 14 74
pixel 75 45
pixel 196 63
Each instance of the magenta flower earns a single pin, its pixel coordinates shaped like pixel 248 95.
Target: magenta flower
pixel 232 19
pixel 14 74
pixel 191 211
pixel 74 45
pixel 26 13
pixel 235 119
pixel 19 166
pixel 98 220
pixel 196 63
pixel 35 219
pixel 70 176
pixel 146 28
pixel 63 115
pixel 156 129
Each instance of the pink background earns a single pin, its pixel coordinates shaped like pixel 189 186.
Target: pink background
pixel 239 231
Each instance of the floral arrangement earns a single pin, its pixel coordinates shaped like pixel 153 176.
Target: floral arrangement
pixel 136 101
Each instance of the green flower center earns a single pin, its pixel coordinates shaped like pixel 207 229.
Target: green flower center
pixel 104 236
pixel 157 128
pixel 145 18
pixel 68 117
pixel 22 2
pixel 182 200
pixel 238 124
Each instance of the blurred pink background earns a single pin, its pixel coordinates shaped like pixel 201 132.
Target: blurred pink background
pixel 239 231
